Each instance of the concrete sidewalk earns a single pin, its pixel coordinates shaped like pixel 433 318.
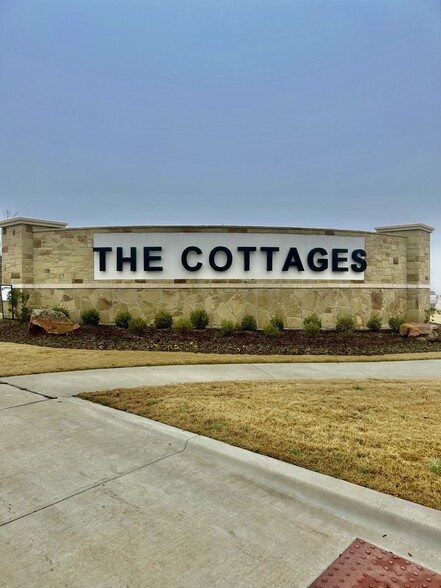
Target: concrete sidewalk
pixel 70 383
pixel 91 496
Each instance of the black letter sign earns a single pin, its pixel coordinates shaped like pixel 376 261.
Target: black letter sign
pixel 120 260
pixel 184 261
pixel 102 252
pixel 149 258
pixel 336 260
pixel 228 260
pixel 269 256
pixel 246 256
pixel 358 256
pixel 293 260
pixel 319 265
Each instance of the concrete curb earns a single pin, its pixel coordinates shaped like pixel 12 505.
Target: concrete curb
pixel 356 504
pixel 384 514
pixel 169 434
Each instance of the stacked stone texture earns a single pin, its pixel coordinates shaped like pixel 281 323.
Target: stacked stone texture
pixel 56 267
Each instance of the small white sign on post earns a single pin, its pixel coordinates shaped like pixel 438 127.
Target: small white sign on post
pixel 5 290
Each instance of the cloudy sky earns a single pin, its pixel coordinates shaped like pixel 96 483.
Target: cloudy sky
pixel 317 113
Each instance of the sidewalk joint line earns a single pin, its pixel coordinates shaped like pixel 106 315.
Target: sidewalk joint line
pixel 256 366
pixel 100 483
pixel 25 404
pixel 166 380
pixel 27 389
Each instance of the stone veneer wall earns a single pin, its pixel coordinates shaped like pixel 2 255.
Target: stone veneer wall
pixel 55 265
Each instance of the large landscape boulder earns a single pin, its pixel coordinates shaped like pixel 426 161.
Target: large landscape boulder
pixel 51 321
pixel 428 331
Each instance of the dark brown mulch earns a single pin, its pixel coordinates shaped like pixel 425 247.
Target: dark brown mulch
pixel 209 341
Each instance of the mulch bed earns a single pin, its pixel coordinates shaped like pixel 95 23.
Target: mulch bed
pixel 208 341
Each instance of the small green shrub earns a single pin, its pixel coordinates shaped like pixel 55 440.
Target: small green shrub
pixel 277 321
pixel 199 318
pixel 25 314
pixel 248 323
pixel 25 311
pixel 395 323
pixel 183 325
pixel 374 323
pixel 271 330
pixel 122 320
pixel 227 328
pixel 345 324
pixel 163 320
pixel 90 317
pixel 18 304
pixel 137 326
pixel 429 313
pixel 62 309
pixel 311 329
pixel 312 319
pixel 13 300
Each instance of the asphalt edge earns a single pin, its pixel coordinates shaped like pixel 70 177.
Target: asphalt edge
pixel 384 514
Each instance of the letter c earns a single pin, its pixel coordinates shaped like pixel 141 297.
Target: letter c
pixel 184 260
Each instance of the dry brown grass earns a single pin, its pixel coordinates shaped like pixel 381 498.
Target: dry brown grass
pixel 379 434
pixel 17 359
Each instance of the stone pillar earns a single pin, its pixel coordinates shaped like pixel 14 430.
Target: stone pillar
pixel 18 248
pixel 418 267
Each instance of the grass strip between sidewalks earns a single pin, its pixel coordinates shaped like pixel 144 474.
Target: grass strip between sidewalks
pixel 385 435
pixel 18 359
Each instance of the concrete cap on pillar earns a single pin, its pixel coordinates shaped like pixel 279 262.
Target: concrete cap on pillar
pixel 20 220
pixel 400 228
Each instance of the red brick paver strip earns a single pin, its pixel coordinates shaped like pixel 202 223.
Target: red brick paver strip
pixel 364 565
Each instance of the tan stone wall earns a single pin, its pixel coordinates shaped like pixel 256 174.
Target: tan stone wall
pixel 17 254
pixel 56 266
pixel 418 269
pixel 63 257
pixel 232 303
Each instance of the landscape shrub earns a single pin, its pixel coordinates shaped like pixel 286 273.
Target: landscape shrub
pixel 311 329
pixel 61 309
pixel 137 326
pixel 25 312
pixel 199 318
pixel 345 324
pixel 277 321
pixel 429 313
pixel 271 330
pixel 374 323
pixel 18 304
pixel 163 320
pixel 90 317
pixel 14 300
pixel 123 319
pixel 248 323
pixel 395 323
pixel 312 319
pixel 227 328
pixel 183 325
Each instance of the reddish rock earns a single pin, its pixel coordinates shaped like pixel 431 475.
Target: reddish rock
pixel 428 331
pixel 51 321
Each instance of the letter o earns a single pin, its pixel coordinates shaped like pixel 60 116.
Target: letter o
pixel 228 260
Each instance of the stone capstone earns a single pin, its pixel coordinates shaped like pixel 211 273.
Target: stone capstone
pixel 51 321
pixel 427 331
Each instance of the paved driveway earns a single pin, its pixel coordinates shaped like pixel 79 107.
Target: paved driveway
pixel 91 497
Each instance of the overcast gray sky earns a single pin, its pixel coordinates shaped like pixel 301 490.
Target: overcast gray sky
pixel 317 113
